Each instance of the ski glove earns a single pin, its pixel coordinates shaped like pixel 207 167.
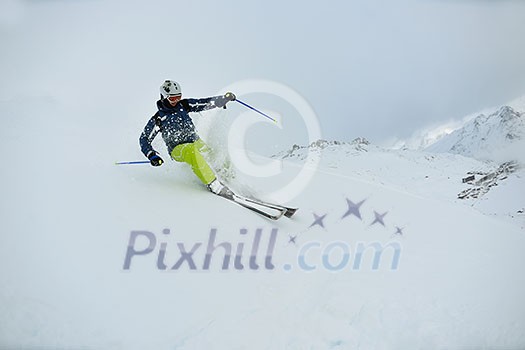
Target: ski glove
pixel 222 100
pixel 154 159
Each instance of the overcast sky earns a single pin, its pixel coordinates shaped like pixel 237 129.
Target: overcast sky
pixel 378 69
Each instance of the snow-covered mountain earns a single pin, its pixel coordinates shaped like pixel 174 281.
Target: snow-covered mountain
pixel 382 253
pixel 425 138
pixel 497 136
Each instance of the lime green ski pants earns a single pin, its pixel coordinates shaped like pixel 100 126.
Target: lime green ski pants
pixel 191 153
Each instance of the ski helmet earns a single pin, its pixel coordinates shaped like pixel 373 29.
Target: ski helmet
pixel 170 87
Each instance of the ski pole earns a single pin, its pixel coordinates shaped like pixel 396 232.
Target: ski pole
pixel 256 110
pixel 133 162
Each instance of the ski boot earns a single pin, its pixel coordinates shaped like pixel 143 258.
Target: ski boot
pixel 220 189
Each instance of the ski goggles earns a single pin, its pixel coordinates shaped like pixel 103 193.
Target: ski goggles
pixel 174 98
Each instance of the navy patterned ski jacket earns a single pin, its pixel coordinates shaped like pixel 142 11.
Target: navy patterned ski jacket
pixel 174 123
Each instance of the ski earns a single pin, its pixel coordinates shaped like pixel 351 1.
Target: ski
pixel 288 212
pixel 268 210
pixel 242 201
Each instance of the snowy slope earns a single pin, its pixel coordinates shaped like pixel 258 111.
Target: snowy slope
pixel 430 175
pixel 69 214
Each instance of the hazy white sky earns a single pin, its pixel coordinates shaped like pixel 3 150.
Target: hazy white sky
pixel 378 69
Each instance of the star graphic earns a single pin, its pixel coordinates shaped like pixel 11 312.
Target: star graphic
pixel 379 218
pixel 353 209
pixel 318 220
pixel 292 239
pixel 399 231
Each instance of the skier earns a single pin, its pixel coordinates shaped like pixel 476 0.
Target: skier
pixel 178 131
